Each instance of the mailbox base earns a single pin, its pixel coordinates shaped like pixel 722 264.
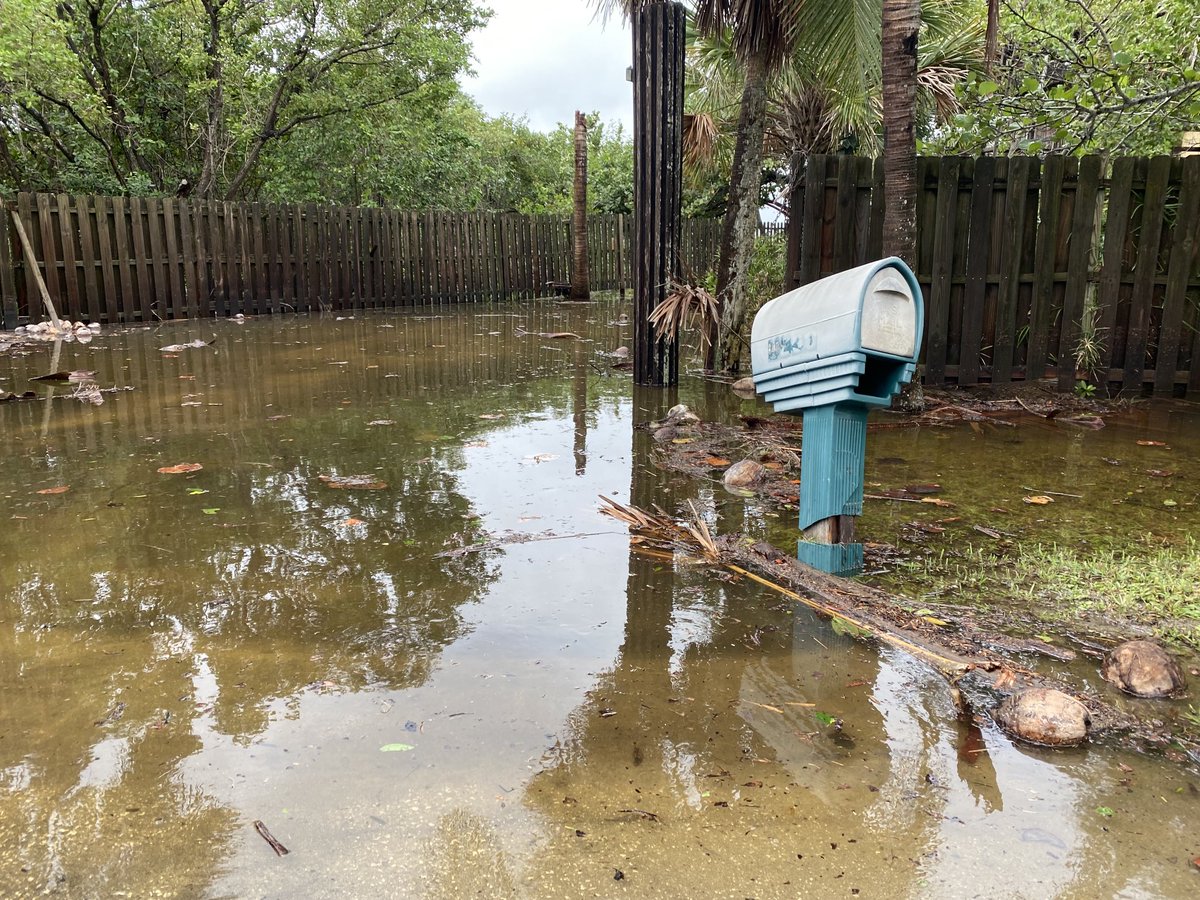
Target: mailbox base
pixel 836 559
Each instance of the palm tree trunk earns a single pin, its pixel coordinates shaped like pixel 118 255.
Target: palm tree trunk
pixel 901 21
pixel 579 272
pixel 741 220
pixel 992 36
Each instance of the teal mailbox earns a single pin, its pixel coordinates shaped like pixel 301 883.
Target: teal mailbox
pixel 830 351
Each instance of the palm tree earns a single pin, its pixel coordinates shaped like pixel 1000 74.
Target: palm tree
pixel 579 272
pixel 901 23
pixel 759 41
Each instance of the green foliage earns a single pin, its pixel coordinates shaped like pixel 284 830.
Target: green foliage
pixel 283 100
pixel 1084 76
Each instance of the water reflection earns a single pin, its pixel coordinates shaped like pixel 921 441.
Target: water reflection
pixel 181 655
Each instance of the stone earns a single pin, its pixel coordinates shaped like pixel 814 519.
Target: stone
pixel 667 433
pixel 677 410
pixel 1044 716
pixel 744 474
pixel 1142 668
pixel 744 387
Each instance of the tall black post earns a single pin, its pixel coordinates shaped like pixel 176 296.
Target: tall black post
pixel 658 39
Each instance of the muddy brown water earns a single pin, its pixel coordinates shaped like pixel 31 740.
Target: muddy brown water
pixel 182 655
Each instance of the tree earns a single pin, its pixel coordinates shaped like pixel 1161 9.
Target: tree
pixel 1084 76
pixel 579 268
pixel 759 40
pixel 901 22
pixel 208 91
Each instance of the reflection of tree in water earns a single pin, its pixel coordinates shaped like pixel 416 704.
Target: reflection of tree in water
pixel 162 616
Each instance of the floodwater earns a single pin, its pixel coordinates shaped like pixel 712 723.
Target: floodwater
pixel 182 655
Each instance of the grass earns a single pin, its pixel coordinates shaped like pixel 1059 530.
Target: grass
pixel 1152 586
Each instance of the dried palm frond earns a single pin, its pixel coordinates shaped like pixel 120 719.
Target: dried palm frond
pixel 658 527
pixel 685 305
pixel 698 529
pixel 700 133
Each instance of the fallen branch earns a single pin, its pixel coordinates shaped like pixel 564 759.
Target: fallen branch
pixel 975 663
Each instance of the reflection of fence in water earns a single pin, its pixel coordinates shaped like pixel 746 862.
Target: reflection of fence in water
pixel 287 363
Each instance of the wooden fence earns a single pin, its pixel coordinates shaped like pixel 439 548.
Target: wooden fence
pixel 116 259
pixel 1031 268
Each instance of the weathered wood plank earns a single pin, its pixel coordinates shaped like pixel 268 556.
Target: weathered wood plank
pixel 49 252
pixel 160 304
pixel 141 261
pixel 108 275
pixel 1185 238
pixel 10 310
pixel 937 316
pixel 1142 301
pixel 121 229
pixel 1083 222
pixel 68 241
pixel 978 254
pixel 1043 291
pixel 1116 227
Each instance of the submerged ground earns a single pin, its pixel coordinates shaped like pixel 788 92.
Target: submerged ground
pixel 183 654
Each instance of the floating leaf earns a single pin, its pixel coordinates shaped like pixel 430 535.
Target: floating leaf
pixel 1105 811
pixel 1170 503
pixel 211 510
pixel 541 457
pixel 396 748
pixel 824 718
pixel 1151 444
pixel 682 440
pixel 716 461
pixel 937 501
pixel 180 469
pixel 60 489
pixel 382 422
pixel 1038 500
pixel 196 492
pixel 1160 473
pixel 491 416
pixel 353 482
pixel 353 521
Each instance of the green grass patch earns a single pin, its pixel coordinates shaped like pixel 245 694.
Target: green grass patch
pixel 1153 586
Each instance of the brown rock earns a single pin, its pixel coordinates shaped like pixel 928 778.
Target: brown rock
pixel 1142 668
pixel 667 433
pixel 744 474
pixel 744 387
pixel 1044 716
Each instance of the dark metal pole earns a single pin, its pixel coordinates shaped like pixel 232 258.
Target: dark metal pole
pixel 658 39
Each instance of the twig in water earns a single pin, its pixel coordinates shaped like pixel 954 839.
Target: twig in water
pixel 279 849
pixel 1026 487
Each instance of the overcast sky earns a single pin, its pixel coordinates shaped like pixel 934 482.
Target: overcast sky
pixel 544 59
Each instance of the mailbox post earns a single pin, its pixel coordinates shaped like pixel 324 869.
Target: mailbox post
pixel 831 351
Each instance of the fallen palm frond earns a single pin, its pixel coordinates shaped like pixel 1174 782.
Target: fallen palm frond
pixel 698 529
pixel 686 305
pixel 657 526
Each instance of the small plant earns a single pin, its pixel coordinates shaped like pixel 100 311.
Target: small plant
pixel 1085 389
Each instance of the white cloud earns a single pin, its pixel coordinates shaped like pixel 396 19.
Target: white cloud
pixel 544 59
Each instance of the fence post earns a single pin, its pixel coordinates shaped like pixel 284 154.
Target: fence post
pixel 658 39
